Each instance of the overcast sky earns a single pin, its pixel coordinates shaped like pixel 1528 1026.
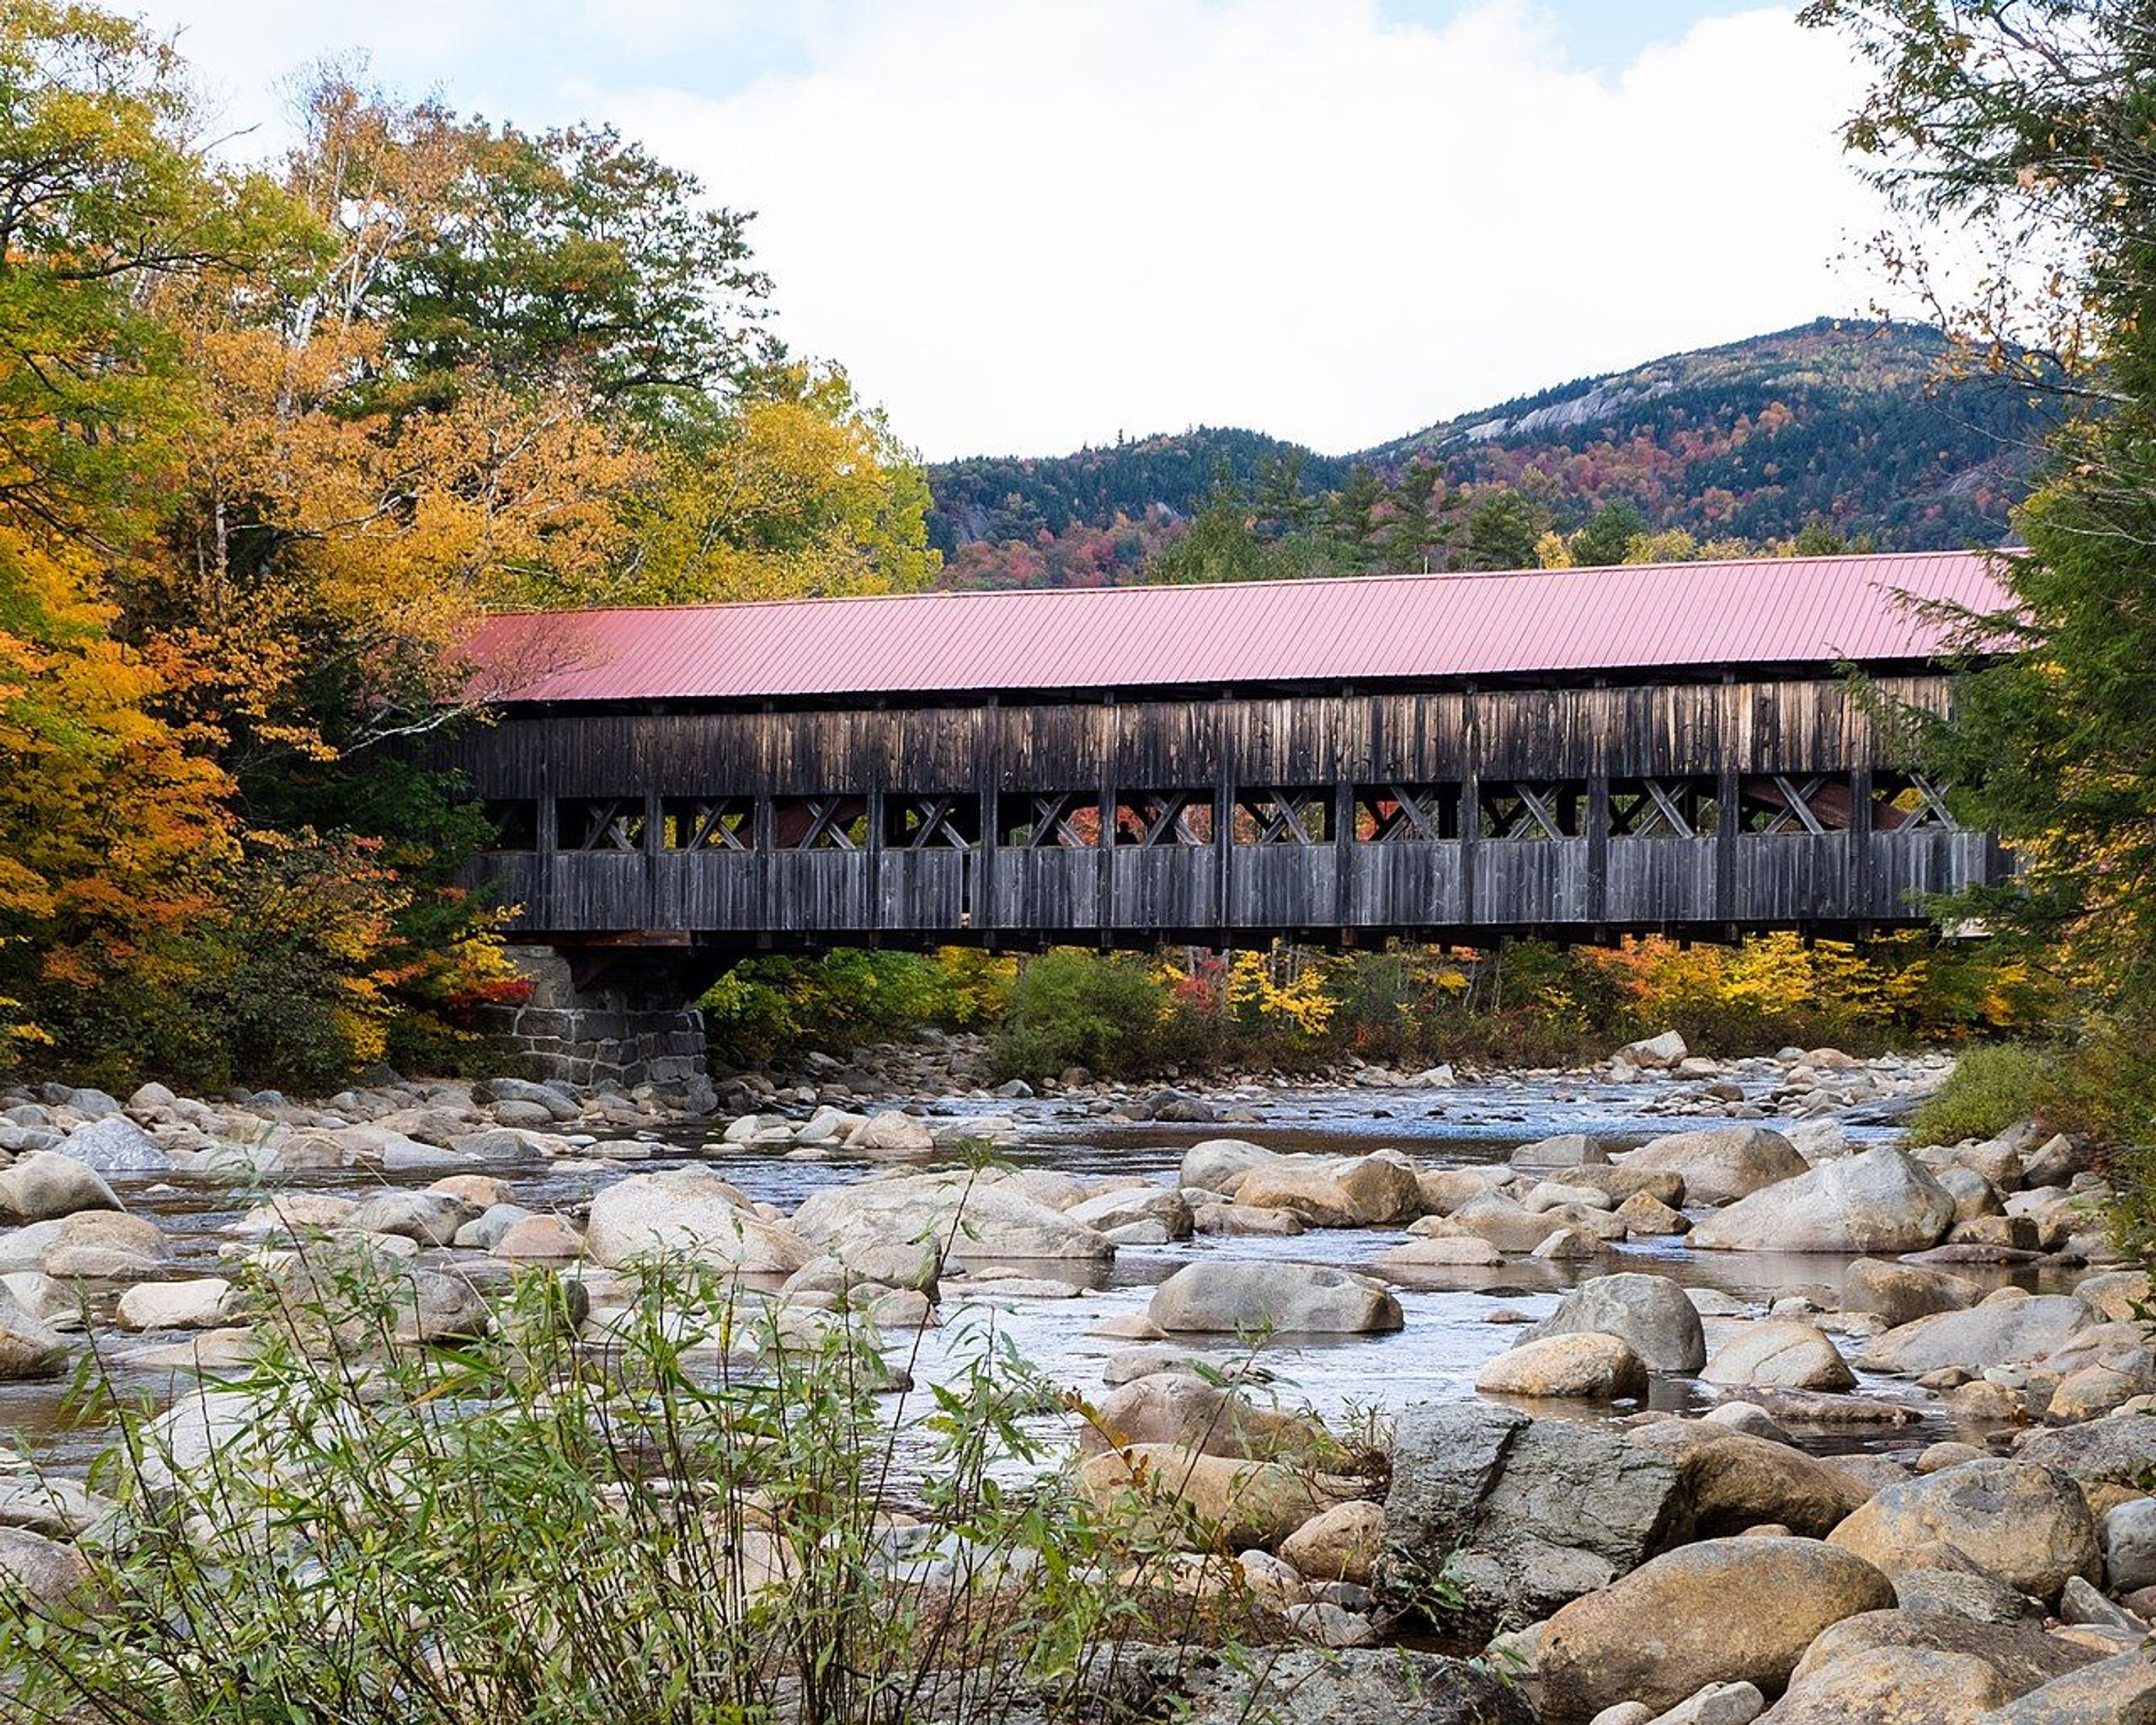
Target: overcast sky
pixel 1025 225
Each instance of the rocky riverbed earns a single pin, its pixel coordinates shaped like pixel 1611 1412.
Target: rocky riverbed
pixel 1701 1389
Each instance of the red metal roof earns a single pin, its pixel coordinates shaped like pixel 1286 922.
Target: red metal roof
pixel 1353 629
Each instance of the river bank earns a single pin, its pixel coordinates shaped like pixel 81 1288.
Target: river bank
pixel 1727 1274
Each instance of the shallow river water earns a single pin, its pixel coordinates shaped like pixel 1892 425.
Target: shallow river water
pixel 1448 1331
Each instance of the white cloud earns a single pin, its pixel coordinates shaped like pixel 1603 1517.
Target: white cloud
pixel 1029 227
pixel 1024 226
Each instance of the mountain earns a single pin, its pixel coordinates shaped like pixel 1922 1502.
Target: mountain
pixel 1848 423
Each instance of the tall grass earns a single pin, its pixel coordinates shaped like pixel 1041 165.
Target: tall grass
pixel 710 1516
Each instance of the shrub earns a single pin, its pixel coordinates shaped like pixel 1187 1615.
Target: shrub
pixel 1991 1087
pixel 696 1521
pixel 1072 1007
pixel 774 1008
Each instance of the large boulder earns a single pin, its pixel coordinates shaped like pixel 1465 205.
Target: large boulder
pixel 1357 1191
pixel 28 1348
pixel 1241 1503
pixel 1374 1685
pixel 114 1144
pixel 200 1303
pixel 1183 1408
pixel 1232 1297
pixel 2021 1654
pixel 1522 1514
pixel 1901 1293
pixel 2009 1328
pixel 1723 1162
pixel 1894 1686
pixel 2118 1449
pixel 427 1218
pixel 2120 1690
pixel 1666 1049
pixel 2025 1524
pixel 1880 1201
pixel 967 1214
pixel 45 1185
pixel 1581 1366
pixel 1302 1186
pixel 1733 1480
pixel 1782 1353
pixel 2127 1533
pixel 1722 1611
pixel 691 1214
pixel 1127 1206
pixel 893 1133
pixel 1566 1150
pixel 1214 1165
pixel 1650 1312
pixel 40 1571
pixel 1339 1544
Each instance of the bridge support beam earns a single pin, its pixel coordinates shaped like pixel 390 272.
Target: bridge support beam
pixel 627 1021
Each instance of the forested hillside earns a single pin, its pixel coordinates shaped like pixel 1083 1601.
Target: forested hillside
pixel 1855 430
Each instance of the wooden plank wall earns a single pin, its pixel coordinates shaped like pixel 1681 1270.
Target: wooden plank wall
pixel 1332 747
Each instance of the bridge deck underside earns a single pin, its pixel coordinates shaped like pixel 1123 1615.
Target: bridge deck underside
pixel 1696 808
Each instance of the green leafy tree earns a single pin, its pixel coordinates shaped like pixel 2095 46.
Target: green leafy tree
pixel 2033 123
pixel 1608 535
pixel 1503 527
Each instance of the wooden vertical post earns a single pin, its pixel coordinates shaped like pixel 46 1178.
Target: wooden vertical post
pixel 1224 820
pixel 1470 806
pixel 980 908
pixel 1860 843
pixel 1106 920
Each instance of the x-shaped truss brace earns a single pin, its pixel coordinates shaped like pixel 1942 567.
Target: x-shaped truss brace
pixel 1795 810
pixel 1412 818
pixel 1535 818
pixel 933 824
pixel 1164 819
pixel 724 824
pixel 1285 816
pixel 1052 828
pixel 1640 815
pixel 606 826
pixel 829 817
pixel 1931 809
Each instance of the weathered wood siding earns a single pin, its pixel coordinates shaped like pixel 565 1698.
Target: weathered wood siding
pixel 1528 777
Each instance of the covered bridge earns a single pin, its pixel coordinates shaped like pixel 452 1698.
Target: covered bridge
pixel 1578 753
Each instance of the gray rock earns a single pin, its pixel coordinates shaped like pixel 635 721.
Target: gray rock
pixel 1999 1332
pixel 45 1185
pixel 1212 1164
pixel 2113 1692
pixel 2081 1603
pixel 114 1144
pixel 1531 1513
pixel 1650 1312
pixel 431 1219
pixel 1720 1611
pixel 1901 1293
pixel 1781 1354
pixel 1233 1297
pixel 1964 1592
pixel 2116 1449
pixel 2025 1524
pixel 1566 1150
pixel 45 1569
pixel 1880 1201
pixel 2129 1538
pixel 969 1215
pixel 28 1348
pixel 1722 1164
pixel 1717 1704
pixel 1390 1686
